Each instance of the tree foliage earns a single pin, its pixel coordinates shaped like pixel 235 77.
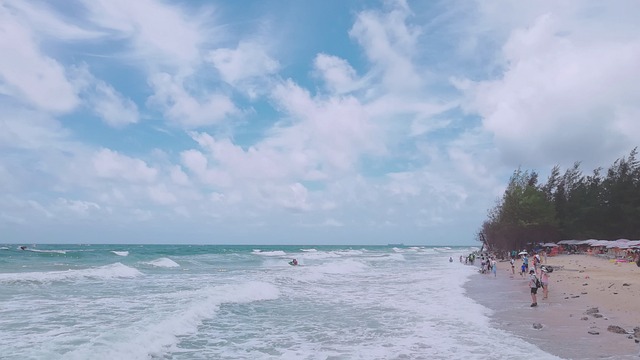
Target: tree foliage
pixel 570 206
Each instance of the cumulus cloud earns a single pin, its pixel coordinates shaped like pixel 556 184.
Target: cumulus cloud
pixel 27 74
pixel 110 164
pixel 247 61
pixel 558 88
pixel 187 110
pixel 337 73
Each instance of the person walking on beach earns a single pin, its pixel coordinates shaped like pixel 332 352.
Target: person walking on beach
pixel 513 266
pixel 544 279
pixel 533 284
pixel 494 267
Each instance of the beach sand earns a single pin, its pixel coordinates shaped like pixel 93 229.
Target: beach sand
pixel 578 283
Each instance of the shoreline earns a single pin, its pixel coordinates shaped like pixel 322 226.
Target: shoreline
pixel 578 283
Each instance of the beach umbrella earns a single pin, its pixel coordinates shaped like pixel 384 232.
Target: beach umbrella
pixel 522 253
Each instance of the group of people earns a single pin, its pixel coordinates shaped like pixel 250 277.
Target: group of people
pixel 538 275
pixel 489 265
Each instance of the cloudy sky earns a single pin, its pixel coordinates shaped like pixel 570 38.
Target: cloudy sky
pixel 306 122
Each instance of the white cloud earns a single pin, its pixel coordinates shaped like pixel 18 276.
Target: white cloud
pixel 558 88
pixel 160 34
pixel 49 23
pixel 186 110
pixel 390 43
pixel 26 74
pixel 78 207
pixel 112 107
pixel 293 197
pixel 179 177
pixel 27 129
pixel 110 164
pixel 161 195
pixel 103 100
pixel 248 60
pixel 337 73
pixel 332 222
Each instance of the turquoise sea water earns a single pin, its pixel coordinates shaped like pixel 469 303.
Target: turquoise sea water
pixel 243 302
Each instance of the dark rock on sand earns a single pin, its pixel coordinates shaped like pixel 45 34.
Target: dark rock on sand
pixel 593 332
pixel 537 326
pixel 592 310
pixel 584 318
pixel 596 315
pixel 616 329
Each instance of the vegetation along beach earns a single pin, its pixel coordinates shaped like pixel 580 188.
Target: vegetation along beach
pixel 578 227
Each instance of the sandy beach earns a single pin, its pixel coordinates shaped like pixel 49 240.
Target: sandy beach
pixel 569 329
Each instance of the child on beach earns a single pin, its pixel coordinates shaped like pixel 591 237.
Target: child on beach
pixel 523 269
pixel 533 284
pixel 544 279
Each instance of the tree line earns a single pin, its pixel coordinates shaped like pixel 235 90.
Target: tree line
pixel 570 205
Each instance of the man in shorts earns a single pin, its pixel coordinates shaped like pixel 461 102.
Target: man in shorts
pixel 533 284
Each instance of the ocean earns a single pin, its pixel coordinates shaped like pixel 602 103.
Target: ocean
pixel 244 302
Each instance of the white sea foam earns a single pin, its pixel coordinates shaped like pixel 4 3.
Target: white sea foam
pixel 309 250
pixel 269 253
pixel 156 338
pixel 343 305
pixel 164 263
pixel 47 251
pixel 112 271
pixel 386 257
pixel 342 267
pixel 121 253
pixel 319 255
pixel 349 252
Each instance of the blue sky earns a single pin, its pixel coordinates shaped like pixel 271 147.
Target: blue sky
pixel 304 122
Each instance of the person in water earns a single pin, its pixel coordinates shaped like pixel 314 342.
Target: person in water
pixel 294 262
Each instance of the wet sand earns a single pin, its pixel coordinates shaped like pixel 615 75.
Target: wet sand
pixel 578 283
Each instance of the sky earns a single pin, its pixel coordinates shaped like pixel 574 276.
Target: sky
pixel 300 122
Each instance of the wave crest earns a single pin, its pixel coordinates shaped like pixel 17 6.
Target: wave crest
pixel 107 272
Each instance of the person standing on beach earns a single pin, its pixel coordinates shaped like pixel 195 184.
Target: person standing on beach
pixel 536 262
pixel 544 279
pixel 533 284
pixel 513 266
pixel 494 267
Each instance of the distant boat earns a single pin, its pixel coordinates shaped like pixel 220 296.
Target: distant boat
pixel 396 245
